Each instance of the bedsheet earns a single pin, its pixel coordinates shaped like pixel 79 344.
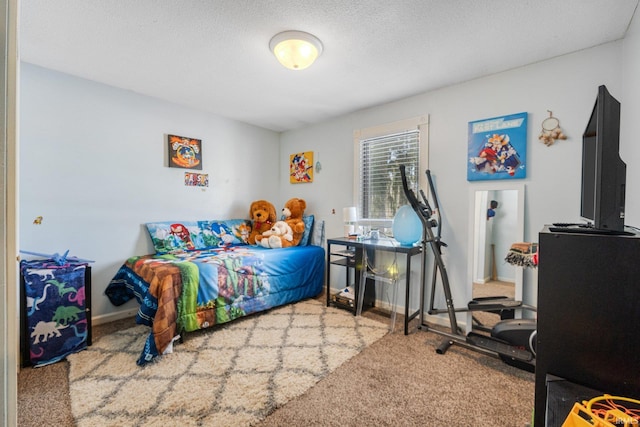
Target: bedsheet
pixel 184 292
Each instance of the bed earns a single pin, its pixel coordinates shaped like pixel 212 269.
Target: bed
pixel 195 281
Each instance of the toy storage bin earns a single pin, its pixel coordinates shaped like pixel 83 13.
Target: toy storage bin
pixel 55 310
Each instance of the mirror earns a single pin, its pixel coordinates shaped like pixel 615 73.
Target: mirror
pixel 497 222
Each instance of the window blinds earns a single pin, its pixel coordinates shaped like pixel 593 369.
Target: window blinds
pixel 381 192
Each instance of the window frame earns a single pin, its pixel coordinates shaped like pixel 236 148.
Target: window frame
pixel 420 123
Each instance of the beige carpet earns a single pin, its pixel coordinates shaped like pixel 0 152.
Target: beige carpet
pixel 400 381
pixel 236 375
pixel 492 288
pixel 397 381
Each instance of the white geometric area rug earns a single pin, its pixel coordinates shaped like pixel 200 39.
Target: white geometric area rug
pixel 234 375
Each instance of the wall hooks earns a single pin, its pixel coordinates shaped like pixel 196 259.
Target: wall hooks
pixel 551 130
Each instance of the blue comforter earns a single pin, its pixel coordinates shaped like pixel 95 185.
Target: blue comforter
pixel 194 290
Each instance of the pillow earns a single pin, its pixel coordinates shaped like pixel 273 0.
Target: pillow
pixel 230 232
pixel 308 225
pixel 317 235
pixel 175 236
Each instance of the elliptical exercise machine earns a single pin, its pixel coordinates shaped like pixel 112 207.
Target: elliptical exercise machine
pixel 512 340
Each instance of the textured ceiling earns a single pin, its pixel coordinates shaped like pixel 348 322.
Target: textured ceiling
pixel 213 55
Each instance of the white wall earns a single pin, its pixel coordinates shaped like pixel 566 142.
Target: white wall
pixel 566 85
pixel 92 160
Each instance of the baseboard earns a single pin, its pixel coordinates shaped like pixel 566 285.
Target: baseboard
pixel 111 317
pixel 434 320
pixel 443 321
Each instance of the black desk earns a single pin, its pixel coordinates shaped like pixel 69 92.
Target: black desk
pixel 382 244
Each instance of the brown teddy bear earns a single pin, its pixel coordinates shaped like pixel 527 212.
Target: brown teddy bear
pixel 263 215
pixel 292 212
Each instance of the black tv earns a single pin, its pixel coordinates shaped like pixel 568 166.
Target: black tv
pixel 604 174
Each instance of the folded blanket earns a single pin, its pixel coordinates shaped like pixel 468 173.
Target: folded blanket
pixel 523 254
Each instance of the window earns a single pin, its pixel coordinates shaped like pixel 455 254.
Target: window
pixel 379 152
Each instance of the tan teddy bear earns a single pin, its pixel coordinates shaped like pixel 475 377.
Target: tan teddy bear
pixel 262 215
pixel 292 212
pixel 277 235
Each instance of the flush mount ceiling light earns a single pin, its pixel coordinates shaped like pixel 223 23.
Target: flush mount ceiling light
pixel 295 50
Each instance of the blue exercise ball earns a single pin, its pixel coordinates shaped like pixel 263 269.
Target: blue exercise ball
pixel 407 228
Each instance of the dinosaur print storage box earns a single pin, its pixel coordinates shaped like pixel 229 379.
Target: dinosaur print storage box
pixel 54 310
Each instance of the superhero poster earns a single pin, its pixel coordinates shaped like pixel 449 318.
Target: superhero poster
pixel 497 148
pixel 301 167
pixel 184 152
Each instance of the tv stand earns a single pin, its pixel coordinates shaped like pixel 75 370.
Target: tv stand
pixel 588 314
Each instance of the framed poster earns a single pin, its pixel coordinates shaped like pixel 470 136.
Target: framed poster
pixel 497 148
pixel 184 152
pixel 192 179
pixel 301 167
